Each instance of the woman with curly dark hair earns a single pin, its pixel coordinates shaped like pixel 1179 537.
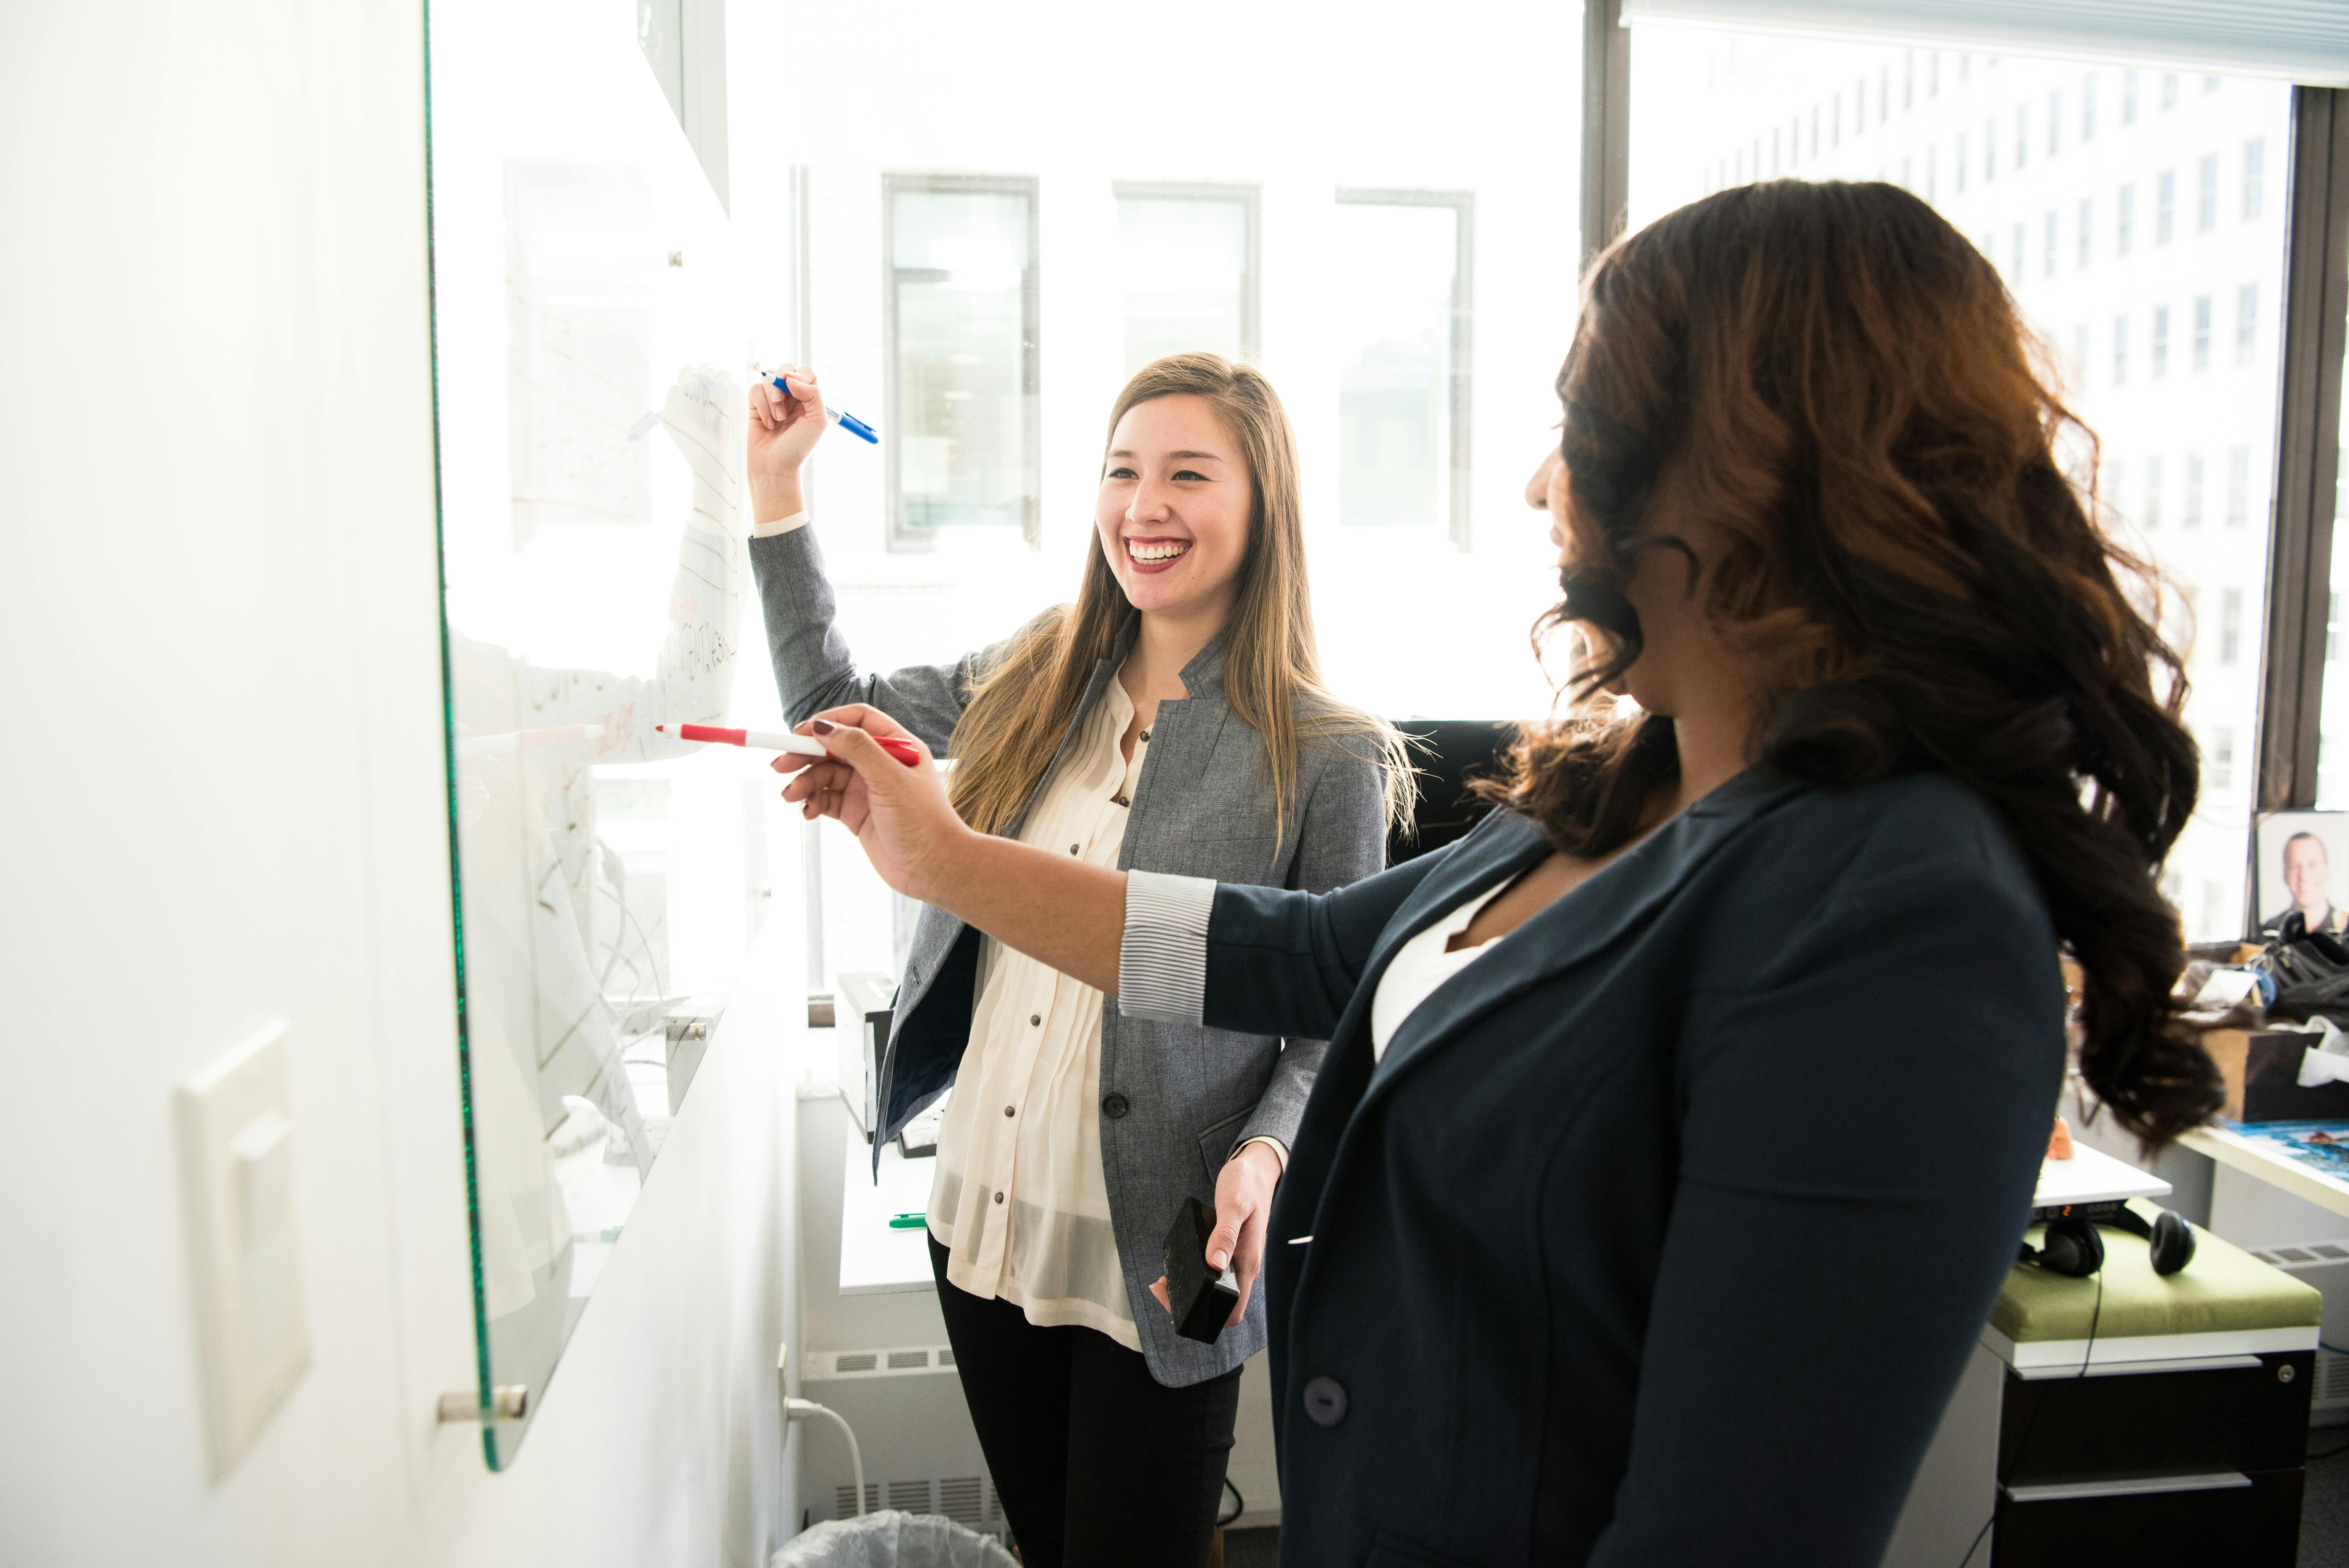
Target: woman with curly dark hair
pixel 1678 1125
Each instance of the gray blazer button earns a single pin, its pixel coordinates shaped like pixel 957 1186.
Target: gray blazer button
pixel 1324 1401
pixel 1115 1107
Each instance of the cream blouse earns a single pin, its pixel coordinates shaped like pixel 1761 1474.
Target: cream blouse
pixel 1019 1200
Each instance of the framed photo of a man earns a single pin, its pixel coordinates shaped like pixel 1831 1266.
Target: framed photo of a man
pixel 2300 855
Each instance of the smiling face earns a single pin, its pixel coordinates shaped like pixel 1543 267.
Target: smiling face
pixel 2307 872
pixel 1176 501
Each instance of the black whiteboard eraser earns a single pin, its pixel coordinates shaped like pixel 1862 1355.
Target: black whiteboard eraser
pixel 1200 1296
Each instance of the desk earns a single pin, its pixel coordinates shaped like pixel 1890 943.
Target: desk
pixel 874 1259
pixel 2093 1176
pixel 2264 1163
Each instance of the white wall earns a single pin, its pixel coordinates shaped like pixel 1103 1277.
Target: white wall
pixel 216 553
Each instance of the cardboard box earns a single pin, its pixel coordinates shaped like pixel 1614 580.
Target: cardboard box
pixel 2261 1068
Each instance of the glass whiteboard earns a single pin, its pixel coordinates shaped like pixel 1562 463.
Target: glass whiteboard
pixel 609 880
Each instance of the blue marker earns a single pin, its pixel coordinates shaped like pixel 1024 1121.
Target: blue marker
pixel 848 422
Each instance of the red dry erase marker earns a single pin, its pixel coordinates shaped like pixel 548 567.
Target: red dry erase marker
pixel 905 751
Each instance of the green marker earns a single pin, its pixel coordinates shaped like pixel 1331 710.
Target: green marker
pixel 908 1221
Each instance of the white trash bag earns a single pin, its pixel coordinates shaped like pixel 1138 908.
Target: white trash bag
pixel 893 1539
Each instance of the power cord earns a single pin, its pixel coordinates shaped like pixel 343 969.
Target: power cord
pixel 2031 1426
pixel 1239 1504
pixel 797 1410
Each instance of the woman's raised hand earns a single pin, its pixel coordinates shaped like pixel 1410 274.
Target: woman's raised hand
pixel 900 815
pixel 785 425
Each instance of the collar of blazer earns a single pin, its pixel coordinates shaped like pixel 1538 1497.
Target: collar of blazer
pixel 1202 678
pixel 1582 923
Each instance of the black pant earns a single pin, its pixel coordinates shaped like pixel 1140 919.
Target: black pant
pixel 1097 1464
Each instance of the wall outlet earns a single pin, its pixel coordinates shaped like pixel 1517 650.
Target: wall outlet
pixel 236 1152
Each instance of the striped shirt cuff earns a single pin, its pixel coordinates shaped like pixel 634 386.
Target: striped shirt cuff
pixel 1162 965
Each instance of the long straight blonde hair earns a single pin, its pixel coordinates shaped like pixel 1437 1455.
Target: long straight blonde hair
pixel 1272 673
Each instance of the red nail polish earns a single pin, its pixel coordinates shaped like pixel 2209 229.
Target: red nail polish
pixel 824 727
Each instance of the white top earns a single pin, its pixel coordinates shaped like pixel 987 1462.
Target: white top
pixel 1020 1203
pixel 1420 966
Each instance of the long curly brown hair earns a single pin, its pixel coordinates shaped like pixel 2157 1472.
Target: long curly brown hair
pixel 1851 394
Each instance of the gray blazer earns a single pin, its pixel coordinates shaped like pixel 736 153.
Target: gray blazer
pixel 1176 1098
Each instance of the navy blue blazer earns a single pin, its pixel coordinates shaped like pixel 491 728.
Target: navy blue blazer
pixel 1662 1231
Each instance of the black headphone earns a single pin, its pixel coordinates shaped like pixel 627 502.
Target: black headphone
pixel 2071 1245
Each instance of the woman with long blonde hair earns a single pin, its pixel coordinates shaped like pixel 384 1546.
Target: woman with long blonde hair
pixel 1172 719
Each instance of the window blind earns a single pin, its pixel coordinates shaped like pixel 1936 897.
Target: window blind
pixel 2304 41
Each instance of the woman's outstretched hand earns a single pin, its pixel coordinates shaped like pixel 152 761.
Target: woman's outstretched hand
pixel 899 814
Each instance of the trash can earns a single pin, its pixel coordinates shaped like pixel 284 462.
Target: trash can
pixel 893 1539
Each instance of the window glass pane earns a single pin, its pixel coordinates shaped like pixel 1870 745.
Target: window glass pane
pixel 1394 294
pixel 2186 437
pixel 960 264
pixel 1185 261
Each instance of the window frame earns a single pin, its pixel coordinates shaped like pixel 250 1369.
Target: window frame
pixel 1459 367
pixel 1251 200
pixel 901 538
pixel 2315 332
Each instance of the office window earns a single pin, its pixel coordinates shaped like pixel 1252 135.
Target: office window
pixel 2230 625
pixel 1834 120
pixel 1909 80
pixel 1187 254
pixel 2210 84
pixel 1883 95
pixel 961 361
pixel 1773 149
pixel 2129 390
pixel 2201 332
pixel 1815 130
pixel 2169 89
pixel 1906 183
pixel 2246 321
pixel 2205 212
pixel 1402 385
pixel 2222 760
pixel 2238 487
pixel 2113 485
pixel 2189 511
pixel 1933 74
pixel 2255 156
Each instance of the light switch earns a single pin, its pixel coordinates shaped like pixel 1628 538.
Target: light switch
pixel 236 1140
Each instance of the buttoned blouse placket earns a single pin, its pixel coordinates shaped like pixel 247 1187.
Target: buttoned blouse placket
pixel 1095 819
